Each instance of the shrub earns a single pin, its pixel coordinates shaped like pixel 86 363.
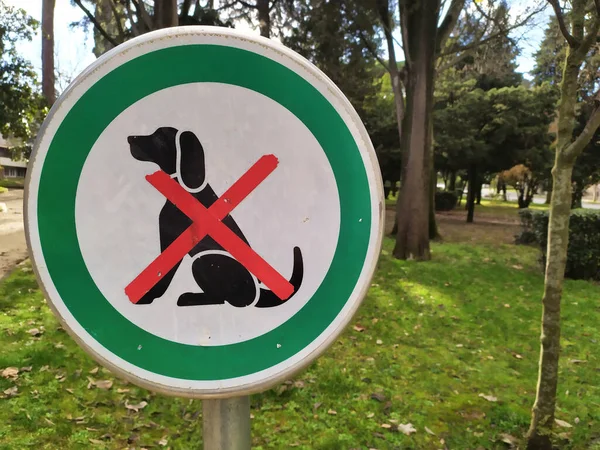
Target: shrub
pixel 13 183
pixel 583 254
pixel 3 190
pixel 445 201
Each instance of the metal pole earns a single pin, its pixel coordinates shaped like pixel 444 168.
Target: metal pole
pixel 226 423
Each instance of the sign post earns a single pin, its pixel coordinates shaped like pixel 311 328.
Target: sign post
pixel 204 211
pixel 226 423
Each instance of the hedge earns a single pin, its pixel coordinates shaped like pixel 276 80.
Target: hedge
pixel 583 254
pixel 445 200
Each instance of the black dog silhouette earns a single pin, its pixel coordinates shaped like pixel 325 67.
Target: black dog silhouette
pixel 221 277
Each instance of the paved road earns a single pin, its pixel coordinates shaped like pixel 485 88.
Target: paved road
pixel 13 248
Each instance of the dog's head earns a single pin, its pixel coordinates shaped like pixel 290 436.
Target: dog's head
pixel 175 152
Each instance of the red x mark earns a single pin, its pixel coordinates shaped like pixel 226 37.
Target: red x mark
pixel 208 221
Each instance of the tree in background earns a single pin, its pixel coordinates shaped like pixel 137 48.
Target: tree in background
pixel 429 45
pixel 580 28
pixel 21 105
pixel 550 60
pixel 485 132
pixel 330 36
pixel 48 78
pixel 116 21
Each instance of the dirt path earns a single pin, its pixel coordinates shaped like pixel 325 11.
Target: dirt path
pixel 13 248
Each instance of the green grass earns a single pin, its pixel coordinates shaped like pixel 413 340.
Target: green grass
pixel 434 337
pixel 12 183
pixel 3 190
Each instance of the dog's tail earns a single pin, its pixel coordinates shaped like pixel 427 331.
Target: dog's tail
pixel 268 299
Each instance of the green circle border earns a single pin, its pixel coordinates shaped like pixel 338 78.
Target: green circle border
pixel 59 178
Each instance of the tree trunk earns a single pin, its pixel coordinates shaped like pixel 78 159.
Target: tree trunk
pixel 264 17
pixel 595 193
pixel 548 194
pixel 383 9
pixel 433 228
pixel 48 78
pixel 558 236
pixel 165 14
pixel 479 188
pixel 577 197
pixel 471 194
pixel 567 151
pixel 412 240
pixel 452 181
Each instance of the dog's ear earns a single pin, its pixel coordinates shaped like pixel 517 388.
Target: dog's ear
pixel 190 160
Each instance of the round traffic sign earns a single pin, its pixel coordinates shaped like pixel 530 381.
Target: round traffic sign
pixel 204 211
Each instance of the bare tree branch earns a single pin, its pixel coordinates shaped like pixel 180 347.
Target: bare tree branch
pixel 97 25
pixel 586 135
pixel 448 23
pixel 561 23
pixel 246 4
pixel 373 51
pixel 134 25
pixel 142 13
pixel 491 37
pixel 402 6
pixel 185 8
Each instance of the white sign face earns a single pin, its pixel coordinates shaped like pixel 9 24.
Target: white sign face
pixel 295 206
pixel 202 230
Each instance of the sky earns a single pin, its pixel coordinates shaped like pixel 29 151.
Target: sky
pixel 73 46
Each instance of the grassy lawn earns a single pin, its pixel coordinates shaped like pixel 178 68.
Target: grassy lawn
pixel 450 346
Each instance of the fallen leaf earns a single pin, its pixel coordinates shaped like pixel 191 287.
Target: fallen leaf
pixel 96 441
pixel 11 392
pixel 137 407
pixel 407 428
pixel 577 361
pixel 473 415
pixel 517 266
pixel 59 345
pixel 94 370
pixel 44 368
pixel 358 328
pixel 163 442
pixel 48 421
pixel 379 342
pixel 370 415
pixel 34 332
pixel 489 398
pixel 70 391
pixel 10 372
pixel 562 423
pixel 459 345
pixel 429 431
pixel 122 391
pixel 509 439
pixel 516 355
pixel 331 412
pixel 26 369
pixel 316 406
pixel 506 305
pixel 387 426
pixel 104 384
pixel 378 397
